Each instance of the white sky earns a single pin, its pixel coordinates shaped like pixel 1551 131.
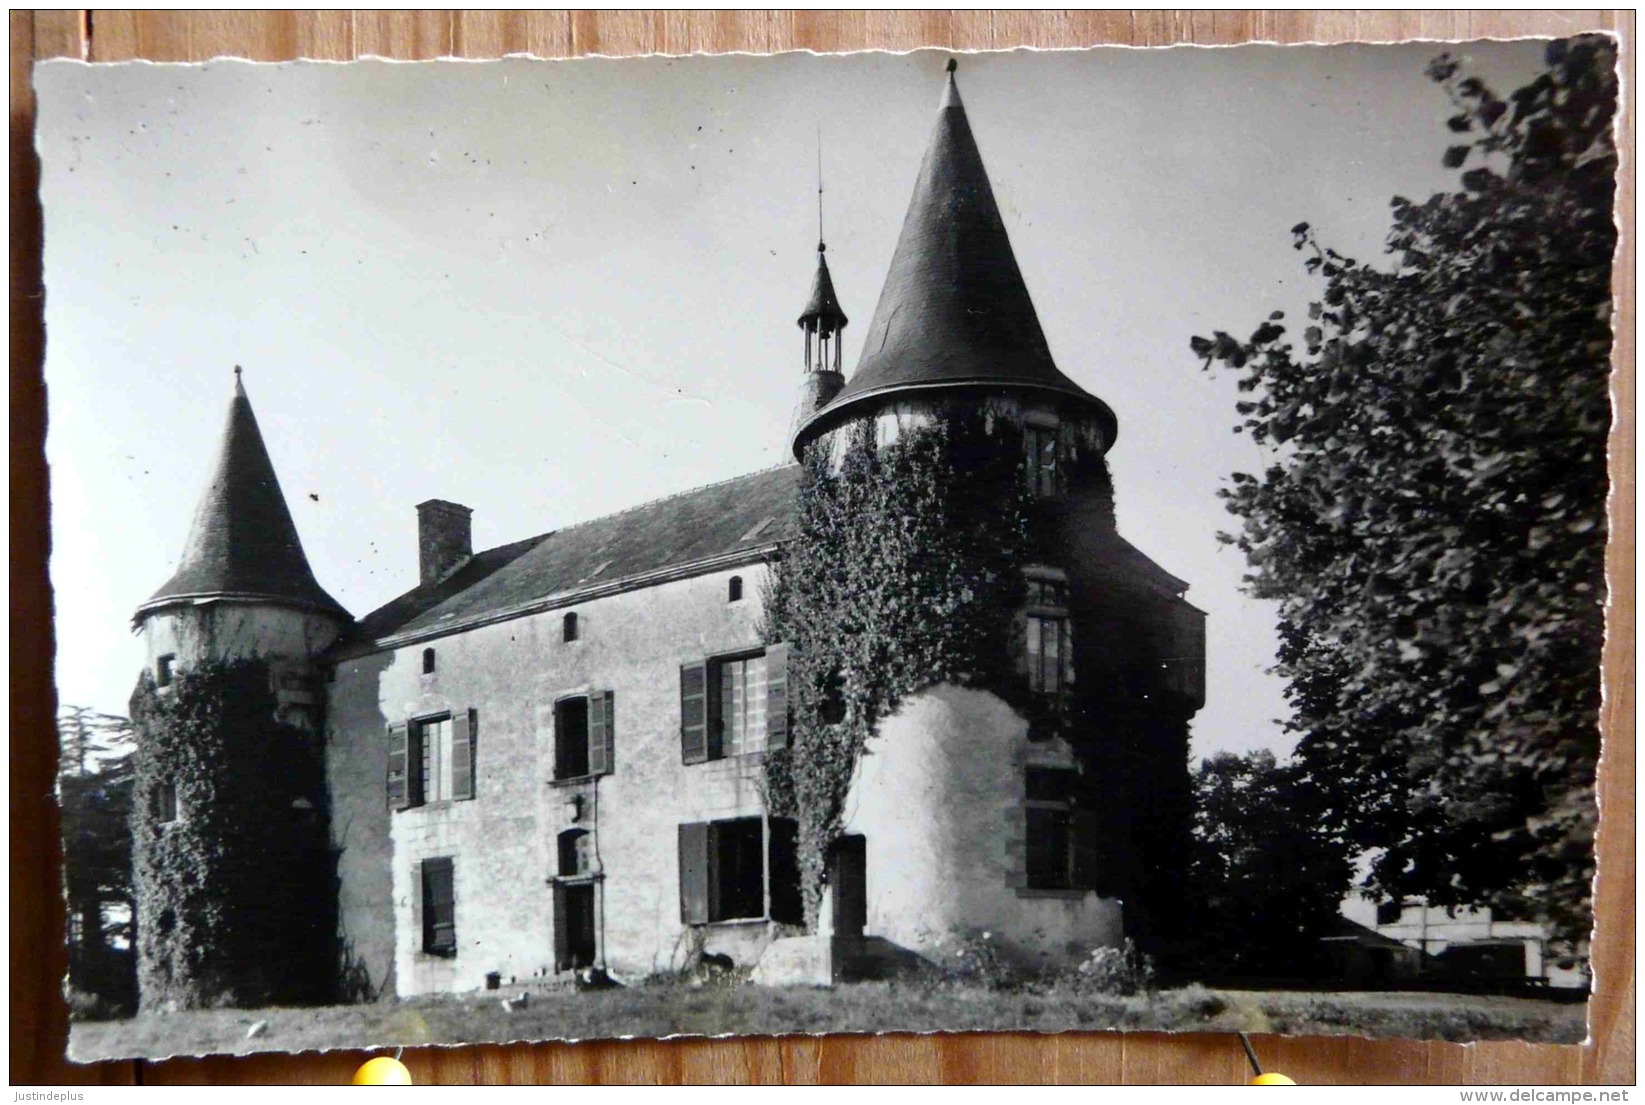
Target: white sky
pixel 551 290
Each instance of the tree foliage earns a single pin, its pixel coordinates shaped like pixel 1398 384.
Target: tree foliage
pixel 94 787
pixel 1267 876
pixel 1433 522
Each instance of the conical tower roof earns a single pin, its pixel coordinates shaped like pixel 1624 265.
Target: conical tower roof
pixel 824 305
pixel 243 544
pixel 954 311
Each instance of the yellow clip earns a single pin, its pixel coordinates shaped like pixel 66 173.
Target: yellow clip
pixel 382 1071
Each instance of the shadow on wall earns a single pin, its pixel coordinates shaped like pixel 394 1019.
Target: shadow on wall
pixel 360 829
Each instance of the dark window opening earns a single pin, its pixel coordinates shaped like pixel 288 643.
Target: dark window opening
pixel 735 589
pixel 576 849
pixel 428 661
pixel 439 908
pixel 575 937
pixel 737 868
pixel 1051 858
pixel 165 803
pixel 571 738
pixel 163 669
pixel 831 711
pixel 568 627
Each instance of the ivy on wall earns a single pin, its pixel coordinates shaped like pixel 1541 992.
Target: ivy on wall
pixel 235 881
pixel 905 572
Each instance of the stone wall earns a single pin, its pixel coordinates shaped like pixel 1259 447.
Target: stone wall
pixel 503 842
pixel 939 796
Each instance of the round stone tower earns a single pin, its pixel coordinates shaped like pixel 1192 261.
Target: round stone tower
pixel 231 858
pixel 955 328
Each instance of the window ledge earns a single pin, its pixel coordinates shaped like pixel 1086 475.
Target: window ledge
pixel 576 780
pixel 1067 895
pixel 735 922
pixel 577 880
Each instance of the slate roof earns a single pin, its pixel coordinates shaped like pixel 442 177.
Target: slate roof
pixel 823 304
pixel 954 311
pixel 243 544
pixel 739 517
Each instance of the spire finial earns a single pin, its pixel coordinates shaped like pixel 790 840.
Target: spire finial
pixel 239 388
pixel 953 64
pixel 821 248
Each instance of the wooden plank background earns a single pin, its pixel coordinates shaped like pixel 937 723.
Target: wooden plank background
pixel 38 1019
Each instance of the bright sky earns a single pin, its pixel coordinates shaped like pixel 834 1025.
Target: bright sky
pixel 551 290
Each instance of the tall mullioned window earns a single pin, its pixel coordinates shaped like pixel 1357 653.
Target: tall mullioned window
pixel 1040 454
pixel 743 704
pixel 1049 645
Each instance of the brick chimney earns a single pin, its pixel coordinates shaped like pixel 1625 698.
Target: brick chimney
pixel 445 538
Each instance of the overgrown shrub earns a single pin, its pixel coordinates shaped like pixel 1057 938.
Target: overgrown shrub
pixel 1124 971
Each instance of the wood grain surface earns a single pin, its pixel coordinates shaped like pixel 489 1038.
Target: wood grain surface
pixel 38 1016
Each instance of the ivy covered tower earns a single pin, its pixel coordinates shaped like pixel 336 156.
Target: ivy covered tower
pixel 231 861
pixel 1076 711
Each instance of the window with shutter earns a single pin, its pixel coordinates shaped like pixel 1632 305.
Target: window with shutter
pixel 464 730
pixel 694 712
pixel 562 943
pixel 439 907
pixel 432 760
pixel 601 728
pixel 693 843
pixel 399 789
pixel 776 695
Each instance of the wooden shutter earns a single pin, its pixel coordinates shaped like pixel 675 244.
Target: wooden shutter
pixel 776 696
pixel 783 870
pixel 694 873
pixel 1085 831
pixel 464 729
pixel 417 931
pixel 602 723
pixel 562 941
pixel 440 916
pixel 694 712
pixel 399 763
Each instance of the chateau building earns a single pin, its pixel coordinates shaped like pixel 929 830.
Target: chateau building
pixel 547 756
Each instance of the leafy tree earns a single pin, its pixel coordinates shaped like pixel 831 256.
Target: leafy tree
pixel 94 794
pixel 1267 876
pixel 1433 522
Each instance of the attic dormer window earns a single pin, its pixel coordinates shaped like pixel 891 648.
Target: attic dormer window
pixel 428 661
pixel 568 627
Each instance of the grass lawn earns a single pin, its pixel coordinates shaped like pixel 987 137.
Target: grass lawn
pixel 672 1009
